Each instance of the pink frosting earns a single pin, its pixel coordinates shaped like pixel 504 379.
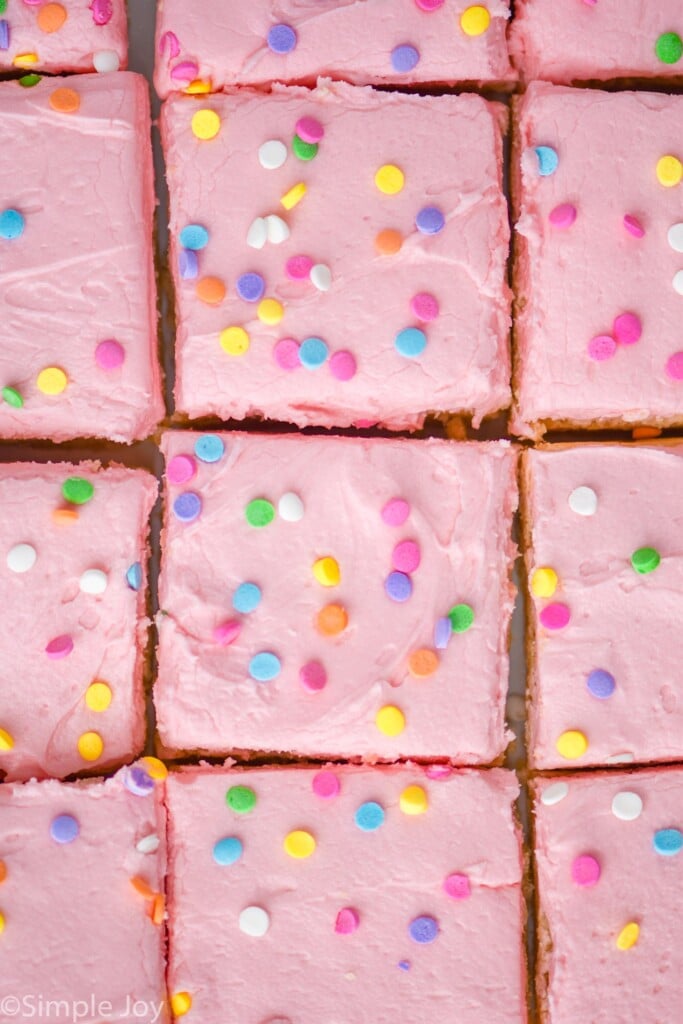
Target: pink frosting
pixel 461 501
pixel 574 283
pixel 387 877
pixel 92 637
pixel 622 622
pixel 71 907
pixel 567 40
pixel 583 975
pixel 348 40
pixel 72 47
pixel 224 188
pixel 82 271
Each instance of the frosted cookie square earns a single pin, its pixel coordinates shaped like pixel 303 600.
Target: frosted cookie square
pixel 74 35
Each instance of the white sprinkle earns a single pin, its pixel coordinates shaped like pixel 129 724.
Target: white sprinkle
pixel 257 235
pixel 583 501
pixel 21 557
pixel 678 282
pixel 254 921
pixel 290 507
pixel 272 154
pixel 106 60
pixel 675 236
pixel 624 758
pixel 277 229
pixel 93 581
pixel 148 844
pixel 627 806
pixel 554 794
pixel 321 277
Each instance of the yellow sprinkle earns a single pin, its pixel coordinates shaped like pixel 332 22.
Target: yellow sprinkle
pixel 24 59
pixel 669 171
pixel 294 196
pixel 299 844
pixel 52 380
pixel 234 341
pixel 475 20
pixel 90 746
pixel 181 1003
pixel 198 87
pixel 414 800
pixel 628 936
pixel 572 744
pixel 390 720
pixel 544 582
pixel 390 179
pixel 6 740
pixel 270 311
pixel 155 768
pixel 98 696
pixel 2 923
pixel 206 124
pixel 326 571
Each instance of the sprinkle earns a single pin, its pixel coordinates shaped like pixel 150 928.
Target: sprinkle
pixel 138 781
pixel 675 237
pixel 413 800
pixel 332 620
pixel 194 237
pixel 257 235
pixel 388 242
pixel 309 130
pixel 326 785
pixel 286 354
pixel 347 922
pixel 404 58
pixel 304 151
pixel 628 936
pixel 669 171
pixel 343 366
pixel 246 598
pixel 321 277
pixel 669 48
pixel 668 841
pixel 313 677
pixel 6 740
pixel 298 268
pixel 65 101
pixel 313 353
pixel 429 5
pixel 395 512
pixel 398 587
pixel 583 501
pixel 423 663
pixel 571 745
pixel 270 312
pixel 601 684
pixel 60 647
pixel 148 844
pixel 50 18
pixel 64 829
pixel 601 347
pixel 410 342
pixel 209 448
pixel 93 581
pixel 211 290
pixel 90 746
pixel 241 799
pixel 21 558
pixel 326 571
pixel 563 216
pixel 102 11
pixel 390 720
pixel 52 380
pixel 64 516
pixel 475 20
pixel 462 617
pixel 259 512
pixel 12 224
pixel 674 365
pixel 294 196
pixel 404 965
pixel 442 633
pixel 134 576
pixel 633 226
pixel 98 696
pixel 181 468
pixel 106 61
pixel 187 507
pixel 25 59
pixel 555 616
pixel 4 31
pixel 548 160
pixel 406 556
pixel 645 560
pixel 251 287
pixel 206 124
pixel 264 667
pixel 430 220
pixel 627 329
pixel 185 71
pixel 188 265
pixel 154 767
pixel 281 38
pixel 424 306
pixel 227 632
pixel 544 582
pixel 3 871
pixel 423 929
pixel 299 844
pixel 554 794
pixel 586 871
pixel 254 921
pixel 370 816
pixel 109 354
pixel 234 341
pixel 199 87
pixel 228 851
pixel 290 507
pixel 272 154
pixel 181 1002
pixel 277 229
pixel 457 886
pixel 12 397
pixel 390 179
pixel 627 806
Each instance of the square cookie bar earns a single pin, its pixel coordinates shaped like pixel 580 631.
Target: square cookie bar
pixel 82 867
pixel 570 40
pixel 599 268
pixel 345 894
pixel 74 35
pixel 604 562
pixel 228 42
pixel 609 871
pixel 344 264
pixel 72 565
pixel 335 596
pixel 77 295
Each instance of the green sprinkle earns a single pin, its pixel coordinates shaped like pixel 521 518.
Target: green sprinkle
pixel 28 80
pixel 3 6
pixel 77 490
pixel 11 395
pixel 462 617
pixel 241 799
pixel 669 48
pixel 304 150
pixel 259 512
pixel 645 560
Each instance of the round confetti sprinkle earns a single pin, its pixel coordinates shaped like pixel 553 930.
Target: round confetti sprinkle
pixel 109 354
pixel 548 160
pixel 395 512
pixel 313 353
pixel 52 380
pixel 6 740
pixel 181 468
pixel 326 785
pixel 148 844
pixel 21 558
pixel 270 312
pixel 423 929
pixel 3 871
pixel 430 220
pixel 583 501
pixel 281 38
pixel 264 667
pixel 12 397
pixel 181 1003
pixel 668 841
pixel 309 130
pixel 601 348
pixel 185 71
pixel 326 571
pixel 64 829
pixel 28 81
pixel 347 922
pixel 627 329
pixel 286 354
pixel 601 684
pixel 388 242
pixel 544 582
pixel 206 124
pixel 370 816
pixel 321 277
pixel 404 58
pixel 93 581
pixel 586 871
pixel 298 268
pixel 251 287
pixel 234 341
pixel 227 632
pixel 669 48
pixel 290 507
pixel 304 151
pixel 211 290
pixel 410 342
pixel 343 366
pixel 277 230
pixel 241 799
pixel 155 767
pixel 563 216
pixel 429 5
pixel 398 587
pixel 65 101
pixel 390 720
pixel 90 746
pixel 246 598
pixel 51 17
pixel 332 620
pixel 187 507
pixel 555 616
pixel 674 365
pixel 628 936
pixel 413 800
pixel 259 512
pixel 299 844
pixel 475 20
pixel 462 618
pixel 194 237
pixel 390 179
pixel 457 886
pixel 424 306
pixel 442 633
pixel 60 647
pixel 627 806
pixel 12 224
pixel 138 781
pixel 406 556
pixel 134 576
pixel 633 226
pixel 554 794
pixel 669 171
pixel 188 264
pixel 98 696
pixel 102 11
pixel 228 851
pixel 675 237
pixel 254 921
pixel 106 61
pixel 272 154
pixel 571 745
pixel 423 663
pixel 645 560
pixel 209 448
pixel 313 676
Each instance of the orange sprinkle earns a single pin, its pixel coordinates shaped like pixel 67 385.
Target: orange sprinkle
pixel 198 87
pixel 64 516
pixel 66 101
pixel 211 290
pixel 3 871
pixel 141 886
pixel 332 620
pixel 645 433
pixel 423 663
pixel 158 909
pixel 51 17
pixel 388 242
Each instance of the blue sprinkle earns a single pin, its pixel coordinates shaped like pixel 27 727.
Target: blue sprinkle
pixel 64 828
pixel 423 929
pixel 668 841
pixel 601 683
pixel 430 220
pixel 282 38
pixel 313 353
pixel 410 342
pixel 246 598
pixel 209 448
pixel 370 816
pixel 398 587
pixel 404 965
pixel 251 287
pixel 12 224
pixel 134 576
pixel 194 237
pixel 4 35
pixel 228 851
pixel 548 160
pixel 264 667
pixel 188 265
pixel 404 58
pixel 442 633
pixel 187 506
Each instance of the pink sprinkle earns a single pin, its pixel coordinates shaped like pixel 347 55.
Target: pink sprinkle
pixel 169 41
pixel 633 226
pixel 227 632
pixel 60 647
pixel 586 871
pixel 424 306
pixel 326 785
pixel 186 71
pixel 298 268
pixel 309 130
pixel 181 468
pixel 347 921
pixel 563 216
pixel 438 772
pixel 602 347
pixel 101 11
pixel 429 5
pixel 457 886
pixel 627 329
pixel 343 366
pixel 109 355
pixel 286 354
pixel 395 512
pixel 674 366
pixel 555 616
pixel 32 3
pixel 313 676
pixel 406 556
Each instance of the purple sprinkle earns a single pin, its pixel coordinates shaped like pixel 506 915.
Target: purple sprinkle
pixel 64 828
pixel 398 586
pixel 404 58
pixel 101 11
pixel 250 287
pixel 282 38
pixel 601 683
pixel 430 220
pixel 187 507
pixel 188 264
pixel 137 781
pixel 404 965
pixel 4 35
pixel 442 633
pixel 423 929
